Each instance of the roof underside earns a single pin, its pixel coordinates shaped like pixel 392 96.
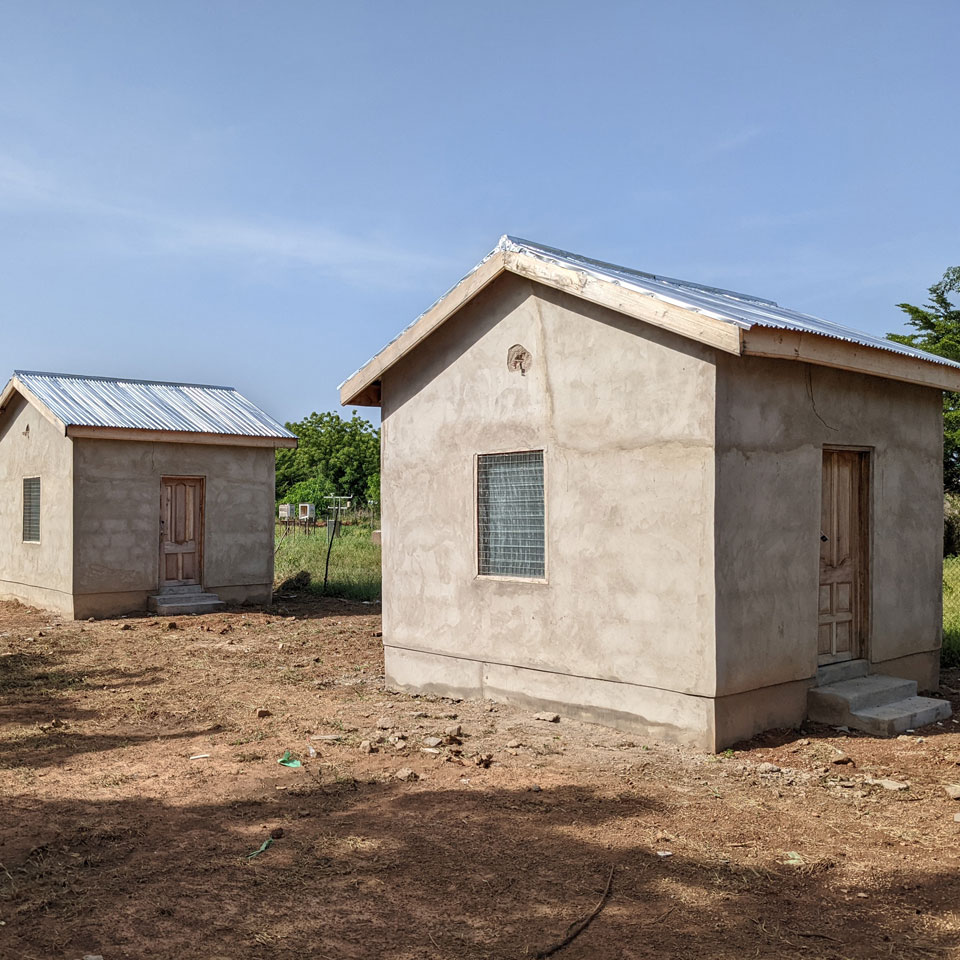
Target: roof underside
pixel 79 401
pixel 726 310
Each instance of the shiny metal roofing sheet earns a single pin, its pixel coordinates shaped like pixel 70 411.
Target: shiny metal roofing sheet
pixel 738 308
pixel 741 309
pixel 149 405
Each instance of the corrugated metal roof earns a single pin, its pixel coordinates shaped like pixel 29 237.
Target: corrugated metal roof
pixel 80 401
pixel 741 309
pixel 738 308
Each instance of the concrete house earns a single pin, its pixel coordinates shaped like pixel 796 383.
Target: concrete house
pixel 668 507
pixel 116 494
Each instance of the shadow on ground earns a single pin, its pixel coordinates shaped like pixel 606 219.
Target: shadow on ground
pixel 393 870
pixel 44 702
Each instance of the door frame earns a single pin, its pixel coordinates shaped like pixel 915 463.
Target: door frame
pixel 201 531
pixel 865 543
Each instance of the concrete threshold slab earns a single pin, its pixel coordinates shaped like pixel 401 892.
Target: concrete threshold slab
pixel 170 605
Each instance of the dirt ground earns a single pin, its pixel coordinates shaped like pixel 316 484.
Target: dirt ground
pixel 137 779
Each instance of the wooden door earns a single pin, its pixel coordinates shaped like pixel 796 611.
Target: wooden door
pixel 843 556
pixel 181 530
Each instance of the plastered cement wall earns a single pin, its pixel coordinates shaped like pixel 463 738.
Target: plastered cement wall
pixel 625 415
pixel 773 419
pixel 117 510
pixel 30 446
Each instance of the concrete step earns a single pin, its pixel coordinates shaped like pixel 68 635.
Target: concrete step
pixel 170 605
pixel 173 591
pixel 889 719
pixel 835 702
pixel 877 704
pixel 845 670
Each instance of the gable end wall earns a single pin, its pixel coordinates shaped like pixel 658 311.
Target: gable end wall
pixel 622 631
pixel 39 574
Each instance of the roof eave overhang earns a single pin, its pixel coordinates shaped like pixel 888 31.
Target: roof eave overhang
pixel 363 388
pixel 844 355
pixel 177 436
pixel 16 385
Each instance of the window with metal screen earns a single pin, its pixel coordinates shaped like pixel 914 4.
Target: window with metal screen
pixel 510 514
pixel 31 509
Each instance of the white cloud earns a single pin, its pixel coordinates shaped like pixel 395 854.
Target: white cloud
pixel 137 229
pixel 733 141
pixel 311 245
pixel 20 182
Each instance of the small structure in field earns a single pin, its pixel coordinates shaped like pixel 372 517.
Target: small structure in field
pixel 673 508
pixel 116 494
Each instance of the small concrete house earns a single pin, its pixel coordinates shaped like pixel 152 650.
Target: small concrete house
pixel 119 494
pixel 675 509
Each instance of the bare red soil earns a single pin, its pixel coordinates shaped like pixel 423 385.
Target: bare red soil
pixel 137 779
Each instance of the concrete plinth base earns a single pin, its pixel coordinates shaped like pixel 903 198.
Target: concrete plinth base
pixel 663 714
pixel 707 723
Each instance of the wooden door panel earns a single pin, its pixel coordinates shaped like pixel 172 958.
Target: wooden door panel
pixel 189 566
pixel 826 597
pixel 843 597
pixel 842 555
pixel 181 530
pixel 825 638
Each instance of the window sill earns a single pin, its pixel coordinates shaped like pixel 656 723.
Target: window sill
pixel 503 579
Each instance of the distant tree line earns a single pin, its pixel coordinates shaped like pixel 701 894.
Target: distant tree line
pixel 335 457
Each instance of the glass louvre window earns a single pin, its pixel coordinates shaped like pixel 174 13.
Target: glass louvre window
pixel 510 514
pixel 31 509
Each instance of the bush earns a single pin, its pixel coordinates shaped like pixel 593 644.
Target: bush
pixel 309 491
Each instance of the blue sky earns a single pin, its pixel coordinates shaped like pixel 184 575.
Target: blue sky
pixel 263 194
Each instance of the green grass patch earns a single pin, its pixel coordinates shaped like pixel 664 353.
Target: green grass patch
pixel 950 654
pixel 354 562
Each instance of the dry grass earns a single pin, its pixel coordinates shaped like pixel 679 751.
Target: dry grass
pixel 950 654
pixel 354 562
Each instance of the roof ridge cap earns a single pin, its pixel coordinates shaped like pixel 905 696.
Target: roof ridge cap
pixel 84 376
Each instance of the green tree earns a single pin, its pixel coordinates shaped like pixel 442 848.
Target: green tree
pixel 938 331
pixel 335 455
pixel 309 491
pixel 373 488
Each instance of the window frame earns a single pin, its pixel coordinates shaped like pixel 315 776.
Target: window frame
pixel 23 509
pixel 504 577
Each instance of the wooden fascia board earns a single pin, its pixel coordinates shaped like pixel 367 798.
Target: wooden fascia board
pixel 362 388
pixel 843 355
pixel 177 436
pixel 8 391
pixel 17 385
pixel 721 334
